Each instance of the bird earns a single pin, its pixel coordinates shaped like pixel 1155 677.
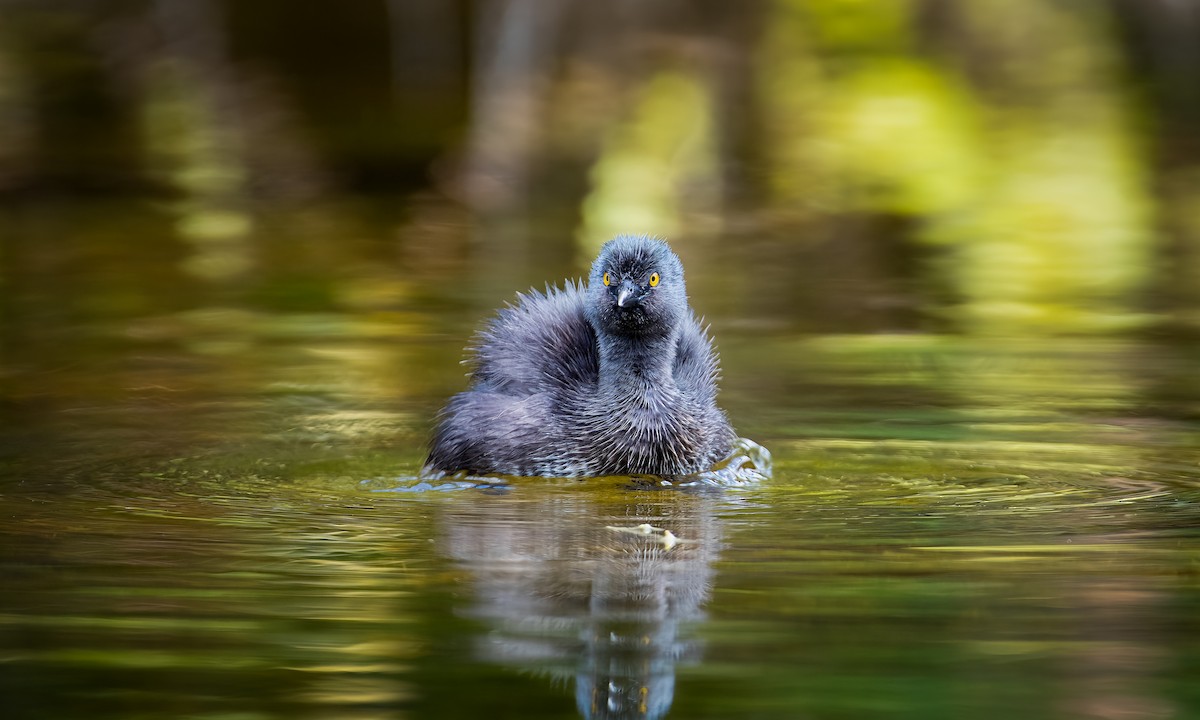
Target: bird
pixel 615 376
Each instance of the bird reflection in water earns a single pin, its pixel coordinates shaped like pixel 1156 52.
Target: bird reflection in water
pixel 601 589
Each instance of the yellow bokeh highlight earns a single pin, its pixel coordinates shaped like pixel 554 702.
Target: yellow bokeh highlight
pixel 654 164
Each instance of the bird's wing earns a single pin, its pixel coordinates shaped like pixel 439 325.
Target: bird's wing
pixel 696 366
pixel 540 342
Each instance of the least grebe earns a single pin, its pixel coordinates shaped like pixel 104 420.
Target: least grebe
pixel 615 378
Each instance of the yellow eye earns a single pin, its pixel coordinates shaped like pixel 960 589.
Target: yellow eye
pixel 607 279
pixel 654 280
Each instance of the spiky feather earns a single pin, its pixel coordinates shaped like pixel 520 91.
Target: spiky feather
pixel 543 402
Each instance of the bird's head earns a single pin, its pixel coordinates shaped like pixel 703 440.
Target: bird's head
pixel 636 288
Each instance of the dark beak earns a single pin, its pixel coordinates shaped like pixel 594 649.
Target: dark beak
pixel 629 295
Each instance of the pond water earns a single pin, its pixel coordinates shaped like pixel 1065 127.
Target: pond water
pixel 199 521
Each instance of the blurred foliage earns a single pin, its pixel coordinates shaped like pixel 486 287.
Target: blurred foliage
pixel 664 147
pixel 987 167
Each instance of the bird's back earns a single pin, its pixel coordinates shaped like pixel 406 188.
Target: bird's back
pixel 541 344
pixel 544 343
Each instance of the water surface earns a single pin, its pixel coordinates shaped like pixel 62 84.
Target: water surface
pixel 205 529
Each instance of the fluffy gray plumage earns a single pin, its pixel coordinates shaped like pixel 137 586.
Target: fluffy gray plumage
pixel 612 379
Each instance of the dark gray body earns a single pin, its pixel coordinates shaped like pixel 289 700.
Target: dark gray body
pixel 571 384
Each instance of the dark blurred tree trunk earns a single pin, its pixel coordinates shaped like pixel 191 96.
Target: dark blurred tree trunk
pixel 1162 42
pixel 84 132
pixel 378 88
pixel 737 29
pixel 514 63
